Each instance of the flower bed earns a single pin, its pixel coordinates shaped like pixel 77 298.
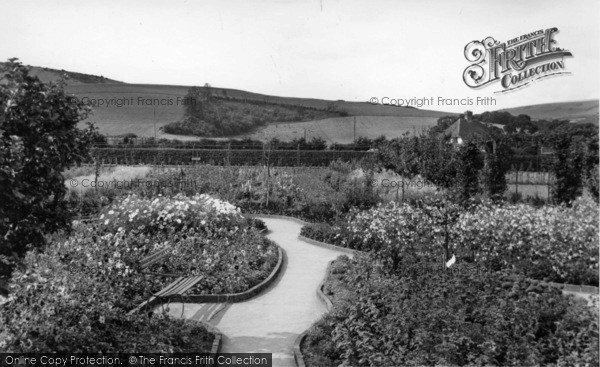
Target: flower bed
pixel 75 296
pixel 557 244
pixel 61 306
pixel 465 317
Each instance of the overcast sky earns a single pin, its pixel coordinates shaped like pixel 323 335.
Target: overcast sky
pixel 351 50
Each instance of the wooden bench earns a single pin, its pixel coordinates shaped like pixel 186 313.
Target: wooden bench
pixel 154 258
pixel 174 289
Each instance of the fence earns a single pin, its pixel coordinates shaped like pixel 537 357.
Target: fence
pixel 522 180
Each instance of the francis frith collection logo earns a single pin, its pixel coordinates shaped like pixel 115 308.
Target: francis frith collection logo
pixel 516 62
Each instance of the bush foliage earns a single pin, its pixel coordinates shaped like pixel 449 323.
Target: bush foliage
pixel 426 316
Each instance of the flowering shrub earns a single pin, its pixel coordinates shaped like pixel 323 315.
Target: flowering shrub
pixel 557 243
pixel 163 214
pixel 205 236
pixel 553 243
pixel 465 317
pixel 79 303
pixel 392 232
pixel 75 296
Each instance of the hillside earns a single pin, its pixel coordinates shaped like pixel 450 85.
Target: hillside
pixel 144 106
pixel 72 78
pixel 142 109
pixel 577 111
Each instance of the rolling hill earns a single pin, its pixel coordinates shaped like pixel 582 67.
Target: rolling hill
pixel 72 78
pixel 121 108
pixel 145 106
pixel 577 111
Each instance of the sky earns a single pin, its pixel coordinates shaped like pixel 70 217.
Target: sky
pixel 350 50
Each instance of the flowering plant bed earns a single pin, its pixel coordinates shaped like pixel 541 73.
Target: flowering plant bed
pixel 470 316
pixel 552 243
pixel 76 295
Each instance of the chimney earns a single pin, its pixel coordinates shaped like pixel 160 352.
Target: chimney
pixel 469 115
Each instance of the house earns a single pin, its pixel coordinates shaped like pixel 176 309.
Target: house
pixel 467 128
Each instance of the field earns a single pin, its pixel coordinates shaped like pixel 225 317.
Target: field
pixel 578 111
pixel 341 129
pixel 145 108
pixel 144 117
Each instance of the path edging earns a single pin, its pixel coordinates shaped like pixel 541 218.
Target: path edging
pixel 307 239
pixel 277 216
pixel 328 245
pixel 298 357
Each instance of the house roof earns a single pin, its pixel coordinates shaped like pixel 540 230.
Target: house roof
pixel 464 129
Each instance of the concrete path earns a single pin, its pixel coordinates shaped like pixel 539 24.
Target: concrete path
pixel 271 322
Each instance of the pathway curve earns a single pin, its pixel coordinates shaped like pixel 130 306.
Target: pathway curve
pixel 271 322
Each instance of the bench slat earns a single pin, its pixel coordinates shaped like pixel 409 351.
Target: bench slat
pixel 191 284
pixel 154 257
pixel 182 285
pixel 168 288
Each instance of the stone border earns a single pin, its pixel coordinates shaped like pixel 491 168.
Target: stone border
pixel 587 289
pixel 298 357
pixel 277 216
pixel 306 239
pixel 329 246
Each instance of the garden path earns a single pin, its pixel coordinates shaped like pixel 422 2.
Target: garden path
pixel 271 322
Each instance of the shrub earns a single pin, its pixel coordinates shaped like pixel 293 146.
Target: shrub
pixel 39 139
pixel 557 243
pixel 466 316
pixel 60 306
pixel 319 232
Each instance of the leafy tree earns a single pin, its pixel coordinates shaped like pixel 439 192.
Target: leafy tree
pixel 576 155
pixel 318 143
pixel 442 124
pixel 39 139
pixel 194 106
pixel 494 173
pixel 467 178
pixel 568 168
pixel 438 163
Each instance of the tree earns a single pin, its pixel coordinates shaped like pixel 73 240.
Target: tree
pixel 568 168
pixel 576 155
pixel 194 104
pixel 39 139
pixel 467 178
pixel 497 165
